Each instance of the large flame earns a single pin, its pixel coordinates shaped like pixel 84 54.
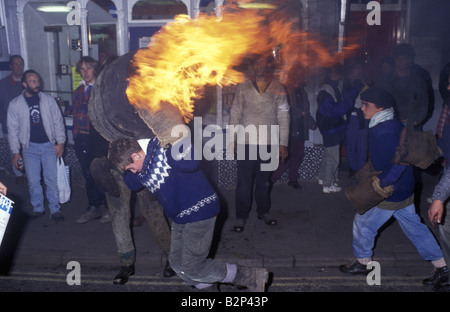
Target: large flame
pixel 189 54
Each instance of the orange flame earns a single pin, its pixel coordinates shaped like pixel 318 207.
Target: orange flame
pixel 189 54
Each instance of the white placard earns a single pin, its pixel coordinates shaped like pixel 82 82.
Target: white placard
pixel 6 206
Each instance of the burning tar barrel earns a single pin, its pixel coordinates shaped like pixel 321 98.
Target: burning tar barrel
pixel 109 109
pixel 114 117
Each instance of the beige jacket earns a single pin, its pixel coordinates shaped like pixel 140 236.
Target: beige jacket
pixel 250 108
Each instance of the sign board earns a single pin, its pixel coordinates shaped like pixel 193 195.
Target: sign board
pixel 6 206
pixel 76 77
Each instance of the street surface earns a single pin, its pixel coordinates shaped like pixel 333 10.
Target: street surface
pixel 393 278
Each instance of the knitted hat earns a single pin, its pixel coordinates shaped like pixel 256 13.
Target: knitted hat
pixel 379 97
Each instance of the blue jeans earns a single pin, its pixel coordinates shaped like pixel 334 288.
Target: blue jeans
pixel 190 245
pixel 41 156
pixel 366 226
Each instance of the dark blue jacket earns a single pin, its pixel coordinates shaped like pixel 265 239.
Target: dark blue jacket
pixel 383 140
pixel 177 182
pixel 330 112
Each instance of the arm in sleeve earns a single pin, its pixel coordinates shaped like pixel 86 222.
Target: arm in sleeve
pixel 236 107
pixel 442 189
pixel 421 102
pixel 382 161
pixel 132 181
pixel 391 176
pixel 60 129
pixel 13 123
pixel 330 108
pixel 283 119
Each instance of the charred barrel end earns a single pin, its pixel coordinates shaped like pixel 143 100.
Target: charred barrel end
pixel 115 117
pixel 162 123
pixel 110 112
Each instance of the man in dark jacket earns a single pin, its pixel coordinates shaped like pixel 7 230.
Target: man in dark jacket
pixel 11 87
pixel 88 68
pixel 384 135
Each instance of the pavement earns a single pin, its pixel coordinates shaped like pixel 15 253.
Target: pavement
pixel 313 229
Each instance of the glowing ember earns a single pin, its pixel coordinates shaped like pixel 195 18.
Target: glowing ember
pixel 189 54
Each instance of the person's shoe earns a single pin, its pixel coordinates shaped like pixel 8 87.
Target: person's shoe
pixel 168 271
pixel 268 219
pixel 354 268
pixel 295 185
pixel 36 214
pixel 254 279
pixel 439 277
pixel 20 179
pixel 239 227
pixel 124 273
pixel 442 288
pixel 93 212
pixel 331 189
pixel 57 216
pixel 106 218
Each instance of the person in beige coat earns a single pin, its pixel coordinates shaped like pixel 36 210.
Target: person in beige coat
pixel 260 113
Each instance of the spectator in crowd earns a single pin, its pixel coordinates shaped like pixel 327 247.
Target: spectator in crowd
pixel 439 216
pixel 300 123
pixel 259 101
pixel 408 88
pixel 355 140
pixel 333 105
pixel 36 125
pixel 443 126
pixel 3 188
pixel 384 136
pixel 11 87
pixel 88 68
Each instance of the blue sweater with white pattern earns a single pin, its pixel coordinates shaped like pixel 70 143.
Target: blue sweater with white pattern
pixel 177 182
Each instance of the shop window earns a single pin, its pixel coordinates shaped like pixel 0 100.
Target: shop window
pixel 157 10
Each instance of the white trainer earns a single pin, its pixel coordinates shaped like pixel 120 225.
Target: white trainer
pixel 331 189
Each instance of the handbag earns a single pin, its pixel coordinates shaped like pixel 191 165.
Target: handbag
pixel 63 181
pixel 417 148
pixel 367 193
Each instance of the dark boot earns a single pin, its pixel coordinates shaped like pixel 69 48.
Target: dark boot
pixel 439 277
pixel 442 288
pixel 354 268
pixel 124 273
pixel 168 271
pixel 255 279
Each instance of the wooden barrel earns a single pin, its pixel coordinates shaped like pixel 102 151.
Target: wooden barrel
pixel 110 112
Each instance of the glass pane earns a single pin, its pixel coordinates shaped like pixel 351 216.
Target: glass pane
pixel 157 9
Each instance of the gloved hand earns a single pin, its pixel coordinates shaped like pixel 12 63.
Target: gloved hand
pixel 101 173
